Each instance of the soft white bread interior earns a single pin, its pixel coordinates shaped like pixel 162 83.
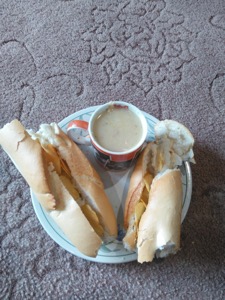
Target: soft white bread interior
pixel 173 144
pixel 159 227
pixel 64 182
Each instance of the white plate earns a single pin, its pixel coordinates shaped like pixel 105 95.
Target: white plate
pixel 116 185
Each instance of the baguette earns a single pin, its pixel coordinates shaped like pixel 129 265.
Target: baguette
pixel 64 182
pixel 159 227
pixel 152 216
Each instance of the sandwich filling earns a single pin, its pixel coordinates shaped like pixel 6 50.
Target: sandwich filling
pixel 140 207
pixel 59 165
pixel 154 222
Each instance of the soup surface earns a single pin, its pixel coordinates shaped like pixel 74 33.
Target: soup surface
pixel 117 129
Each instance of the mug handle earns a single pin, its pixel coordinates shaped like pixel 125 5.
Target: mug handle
pixel 77 130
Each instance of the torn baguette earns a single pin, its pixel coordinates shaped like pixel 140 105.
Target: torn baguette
pixel 159 227
pixel 64 182
pixel 156 169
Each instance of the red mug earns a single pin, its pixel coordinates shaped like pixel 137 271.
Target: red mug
pixel 111 131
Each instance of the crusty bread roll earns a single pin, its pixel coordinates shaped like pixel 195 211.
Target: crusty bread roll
pixel 28 157
pixel 152 216
pixel 159 227
pixel 64 182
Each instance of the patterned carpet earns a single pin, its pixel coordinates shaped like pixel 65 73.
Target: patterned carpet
pixel 165 56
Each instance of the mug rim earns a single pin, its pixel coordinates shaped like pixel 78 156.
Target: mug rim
pixel 137 112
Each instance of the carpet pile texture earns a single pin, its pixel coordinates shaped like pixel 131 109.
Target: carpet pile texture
pixel 165 56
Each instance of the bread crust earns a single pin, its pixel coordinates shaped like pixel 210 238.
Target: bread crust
pixel 28 154
pixel 162 217
pixel 160 224
pixel 85 178
pixel 136 184
pixel 70 218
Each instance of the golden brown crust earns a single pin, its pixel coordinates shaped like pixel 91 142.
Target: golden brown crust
pixel 136 183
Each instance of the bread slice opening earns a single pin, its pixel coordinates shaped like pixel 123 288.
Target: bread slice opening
pixel 60 166
pixel 83 176
pixel 71 219
pixel 130 238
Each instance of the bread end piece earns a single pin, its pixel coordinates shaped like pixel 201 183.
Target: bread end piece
pixel 27 156
pixel 175 142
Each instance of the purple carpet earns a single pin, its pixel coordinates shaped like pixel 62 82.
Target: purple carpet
pixel 167 58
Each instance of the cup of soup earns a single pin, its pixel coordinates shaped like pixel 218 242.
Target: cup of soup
pixel 117 131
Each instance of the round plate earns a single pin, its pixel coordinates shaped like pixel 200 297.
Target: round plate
pixel 116 186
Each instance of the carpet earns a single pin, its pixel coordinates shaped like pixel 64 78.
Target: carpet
pixel 167 57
